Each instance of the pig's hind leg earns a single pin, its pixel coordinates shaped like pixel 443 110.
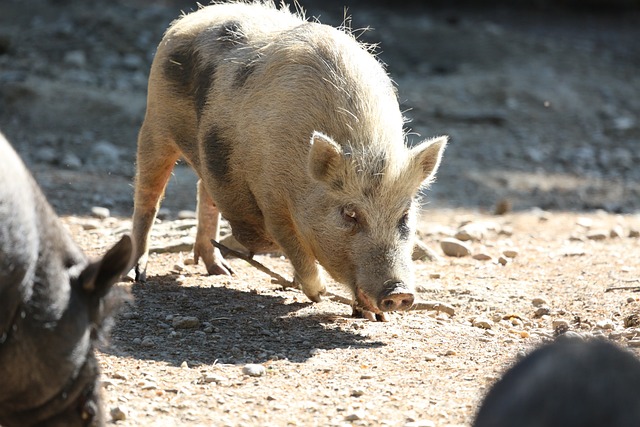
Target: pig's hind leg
pixel 155 161
pixel 208 228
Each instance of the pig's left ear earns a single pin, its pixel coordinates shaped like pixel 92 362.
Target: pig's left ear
pixel 98 277
pixel 324 157
pixel 426 157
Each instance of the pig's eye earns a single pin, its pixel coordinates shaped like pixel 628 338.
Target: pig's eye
pixel 403 225
pixel 349 215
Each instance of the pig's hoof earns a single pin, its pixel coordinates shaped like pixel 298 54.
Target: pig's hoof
pixel 141 275
pixel 221 269
pixel 369 315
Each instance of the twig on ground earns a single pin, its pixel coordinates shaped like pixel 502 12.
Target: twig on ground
pixel 280 280
pixel 623 288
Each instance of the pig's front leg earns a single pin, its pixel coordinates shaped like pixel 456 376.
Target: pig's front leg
pixel 307 274
pixel 208 228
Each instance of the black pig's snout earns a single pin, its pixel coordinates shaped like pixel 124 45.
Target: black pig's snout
pixel 397 296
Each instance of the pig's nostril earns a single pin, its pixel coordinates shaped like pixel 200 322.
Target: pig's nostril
pixel 398 301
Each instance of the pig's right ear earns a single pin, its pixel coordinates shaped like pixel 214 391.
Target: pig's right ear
pixel 324 157
pixel 98 277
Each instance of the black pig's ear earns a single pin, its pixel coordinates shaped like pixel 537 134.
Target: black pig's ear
pixel 426 157
pixel 324 157
pixel 98 277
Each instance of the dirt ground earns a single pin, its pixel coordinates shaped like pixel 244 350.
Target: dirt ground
pixel 542 106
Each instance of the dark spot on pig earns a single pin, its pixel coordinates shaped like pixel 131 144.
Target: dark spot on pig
pixel 191 75
pixel 217 153
pixel 230 33
pixel 179 67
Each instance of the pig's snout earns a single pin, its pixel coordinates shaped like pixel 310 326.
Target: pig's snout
pixel 397 296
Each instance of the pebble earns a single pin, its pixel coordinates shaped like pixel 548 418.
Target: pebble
pixel 539 301
pixel 543 310
pixel 605 324
pixel 185 322
pixel 482 256
pixel 422 252
pixel 118 414
pixel 76 58
pixel 357 392
pixel 430 357
pixel 634 233
pixel 71 161
pixel 482 322
pixel 100 212
pixel 355 416
pixel 254 370
pixel 502 260
pixel 186 214
pixel 454 247
pixel 560 324
pixel 597 235
pixel 616 232
pixel 420 423
pixel 147 342
pixel 510 253
pixel 211 378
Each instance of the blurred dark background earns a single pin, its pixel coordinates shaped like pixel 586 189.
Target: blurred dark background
pixel 541 98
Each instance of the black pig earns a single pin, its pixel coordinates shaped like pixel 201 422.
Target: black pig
pixel 53 302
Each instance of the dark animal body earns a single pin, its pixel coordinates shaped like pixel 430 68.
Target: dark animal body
pixel 295 132
pixel 569 383
pixel 53 303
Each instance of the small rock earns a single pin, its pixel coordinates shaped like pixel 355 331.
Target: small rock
pixel 435 275
pixel 76 58
pixel 542 311
pixel 430 357
pixel 597 235
pixel 616 232
pixel 502 260
pixel 71 161
pixel 185 322
pixel 502 207
pixel 634 233
pixel 482 256
pixel 100 212
pixel 422 252
pixel 420 423
pixel 605 324
pixel 454 247
pixel 254 370
pixel 482 322
pixel 539 301
pixel 118 414
pixel 450 353
pixel 510 253
pixel 186 214
pixel 357 392
pixel 147 342
pixel 137 341
pixel 211 378
pixel 560 324
pixel 355 416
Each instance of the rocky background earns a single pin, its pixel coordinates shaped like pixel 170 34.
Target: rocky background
pixel 541 102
